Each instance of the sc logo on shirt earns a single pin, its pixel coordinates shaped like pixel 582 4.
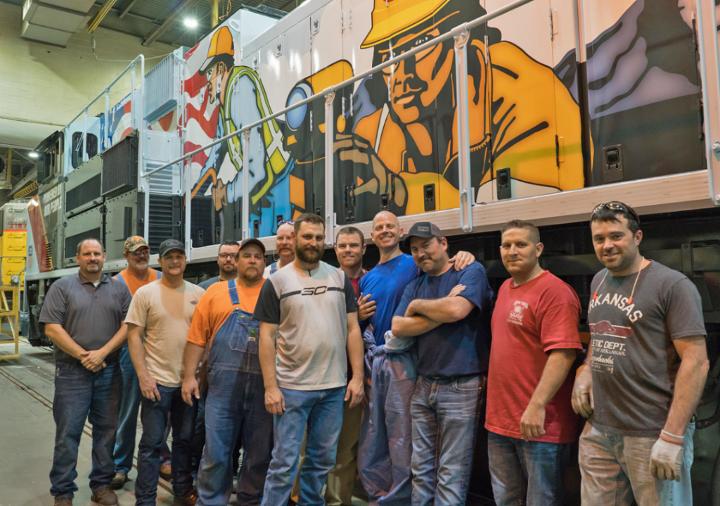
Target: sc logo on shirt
pixel 317 290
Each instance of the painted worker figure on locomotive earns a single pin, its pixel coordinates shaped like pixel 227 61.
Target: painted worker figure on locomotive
pixel 237 89
pixel 521 117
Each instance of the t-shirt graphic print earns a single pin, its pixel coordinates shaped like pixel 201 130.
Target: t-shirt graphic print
pixel 633 360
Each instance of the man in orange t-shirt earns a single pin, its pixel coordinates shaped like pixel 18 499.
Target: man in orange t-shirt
pixel 235 404
pixel 534 343
pixel 137 273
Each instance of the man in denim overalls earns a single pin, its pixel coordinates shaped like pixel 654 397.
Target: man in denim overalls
pixel 234 405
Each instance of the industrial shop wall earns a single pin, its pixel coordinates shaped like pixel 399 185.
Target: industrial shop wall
pixel 43 86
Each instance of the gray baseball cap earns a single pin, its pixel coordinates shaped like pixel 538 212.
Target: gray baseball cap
pixel 169 245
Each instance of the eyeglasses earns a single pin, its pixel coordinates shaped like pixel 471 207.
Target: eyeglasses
pixel 142 252
pixel 615 206
pixel 227 256
pixel 286 222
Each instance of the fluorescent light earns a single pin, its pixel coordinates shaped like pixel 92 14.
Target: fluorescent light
pixel 34 155
pixel 190 22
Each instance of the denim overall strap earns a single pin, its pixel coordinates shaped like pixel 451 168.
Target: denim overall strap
pixel 235 343
pixel 232 288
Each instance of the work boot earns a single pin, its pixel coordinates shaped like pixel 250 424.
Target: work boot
pixel 118 481
pixel 188 500
pixel 63 500
pixel 104 496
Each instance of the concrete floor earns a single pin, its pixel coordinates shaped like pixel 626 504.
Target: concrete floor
pixel 27 433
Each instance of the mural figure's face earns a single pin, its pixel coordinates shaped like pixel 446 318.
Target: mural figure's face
pixel 416 82
pixel 216 79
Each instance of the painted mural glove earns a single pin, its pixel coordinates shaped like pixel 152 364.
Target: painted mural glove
pixel 357 158
pixel 666 460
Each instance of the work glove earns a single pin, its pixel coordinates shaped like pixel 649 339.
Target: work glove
pixel 666 460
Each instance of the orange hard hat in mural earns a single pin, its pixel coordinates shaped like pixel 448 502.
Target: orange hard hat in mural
pixel 392 17
pixel 221 44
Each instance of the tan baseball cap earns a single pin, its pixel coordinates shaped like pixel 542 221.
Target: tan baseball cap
pixel 134 243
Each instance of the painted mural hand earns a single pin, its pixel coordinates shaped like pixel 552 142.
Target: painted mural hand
pixel 375 186
pixel 219 195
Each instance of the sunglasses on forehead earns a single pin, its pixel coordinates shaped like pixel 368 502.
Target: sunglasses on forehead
pixel 615 206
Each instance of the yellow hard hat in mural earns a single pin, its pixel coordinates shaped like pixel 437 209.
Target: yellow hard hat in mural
pixel 392 17
pixel 221 44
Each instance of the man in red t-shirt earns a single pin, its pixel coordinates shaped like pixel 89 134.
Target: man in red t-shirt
pixel 534 343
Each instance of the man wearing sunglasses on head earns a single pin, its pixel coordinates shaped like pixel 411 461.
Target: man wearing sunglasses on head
pixel 644 374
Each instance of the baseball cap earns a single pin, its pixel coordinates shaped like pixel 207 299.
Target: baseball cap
pixel 423 229
pixel 252 240
pixel 169 245
pixel 134 243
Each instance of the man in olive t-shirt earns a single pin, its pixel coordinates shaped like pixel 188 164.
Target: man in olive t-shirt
pixel 644 374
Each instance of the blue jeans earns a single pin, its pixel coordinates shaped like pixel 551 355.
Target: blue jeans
pixel 235 405
pixel 321 412
pixel 444 420
pixel 526 472
pixel 154 416
pixel 127 415
pixel 81 395
pixel 386 434
pixel 615 469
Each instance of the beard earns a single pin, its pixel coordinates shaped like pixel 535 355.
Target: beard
pixel 308 255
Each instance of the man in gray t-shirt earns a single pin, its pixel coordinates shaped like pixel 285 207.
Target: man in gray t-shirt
pixel 83 316
pixel 644 374
pixel 308 330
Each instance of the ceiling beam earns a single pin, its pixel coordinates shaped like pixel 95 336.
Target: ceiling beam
pixel 127 8
pixel 100 15
pixel 174 13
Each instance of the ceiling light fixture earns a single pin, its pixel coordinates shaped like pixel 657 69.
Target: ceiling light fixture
pixel 190 23
pixel 34 155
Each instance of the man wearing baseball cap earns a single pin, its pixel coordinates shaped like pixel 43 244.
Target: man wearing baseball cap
pixel 448 312
pixel 137 273
pixel 234 403
pixel 158 322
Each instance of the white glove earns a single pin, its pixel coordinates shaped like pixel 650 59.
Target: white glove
pixel 666 460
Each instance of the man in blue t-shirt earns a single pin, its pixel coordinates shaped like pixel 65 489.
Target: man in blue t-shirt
pixel 385 445
pixel 448 312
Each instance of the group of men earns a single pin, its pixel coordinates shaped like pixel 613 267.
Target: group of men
pixel 277 362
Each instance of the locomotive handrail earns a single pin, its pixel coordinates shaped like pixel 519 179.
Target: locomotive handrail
pixel 709 55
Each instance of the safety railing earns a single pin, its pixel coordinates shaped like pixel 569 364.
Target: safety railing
pixel 460 36
pixel 118 105
pixel 709 52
